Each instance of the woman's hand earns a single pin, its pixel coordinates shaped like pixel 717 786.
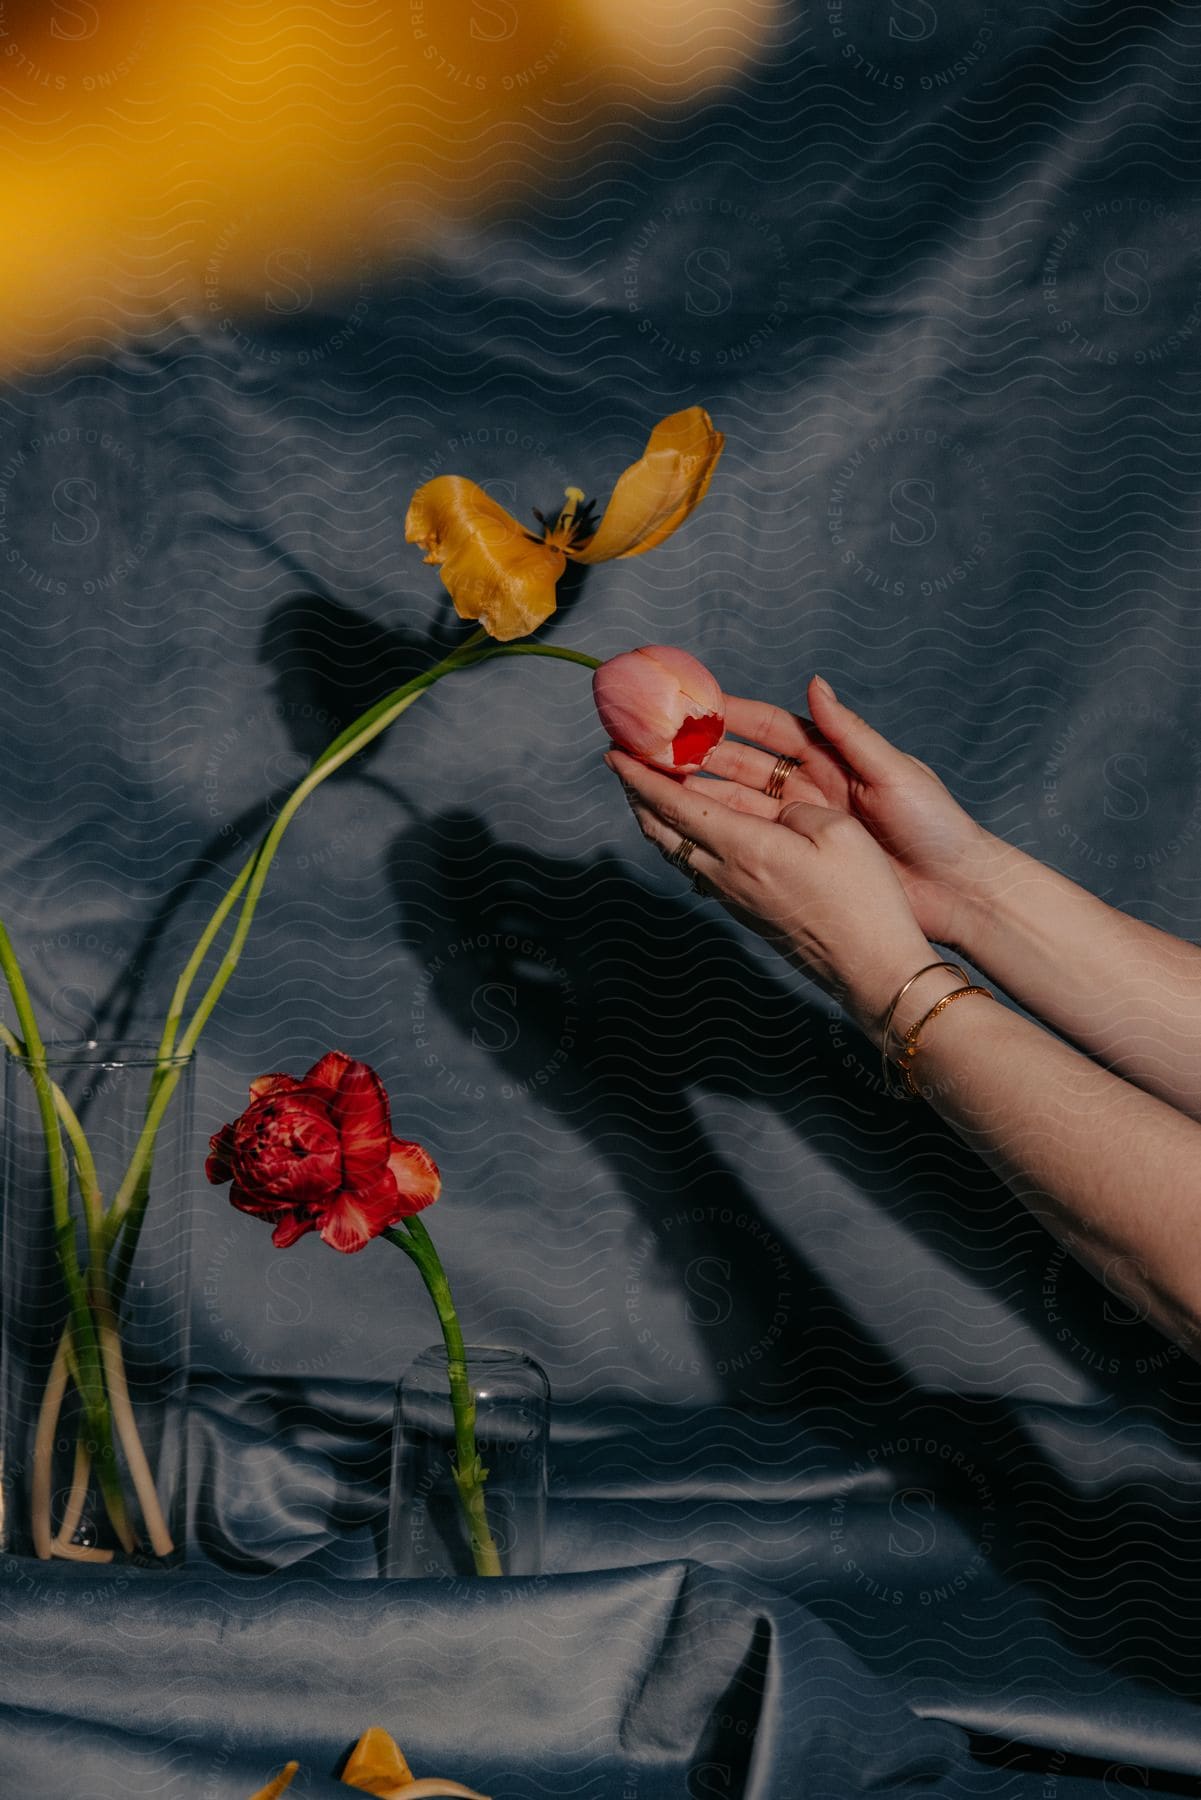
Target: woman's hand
pixel 811 880
pixel 939 854
pixel 826 874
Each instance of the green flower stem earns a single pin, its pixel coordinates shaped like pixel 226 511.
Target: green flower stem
pixel 83 1349
pixel 208 935
pixel 103 1314
pixel 64 1226
pixel 166 1049
pixel 469 1473
pixel 204 944
pixel 553 650
pixel 85 1166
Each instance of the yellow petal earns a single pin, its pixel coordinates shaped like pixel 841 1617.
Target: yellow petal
pixel 493 569
pixel 376 1765
pixel 432 1787
pixel 275 1788
pixel 658 492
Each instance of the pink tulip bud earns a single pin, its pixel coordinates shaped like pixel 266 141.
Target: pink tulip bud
pixel 662 706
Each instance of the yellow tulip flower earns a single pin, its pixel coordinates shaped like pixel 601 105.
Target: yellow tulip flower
pixel 503 575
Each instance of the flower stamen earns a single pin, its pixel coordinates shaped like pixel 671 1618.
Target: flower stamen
pixel 568 522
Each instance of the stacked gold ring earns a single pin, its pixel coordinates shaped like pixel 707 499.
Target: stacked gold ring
pixel 779 776
pixel 680 855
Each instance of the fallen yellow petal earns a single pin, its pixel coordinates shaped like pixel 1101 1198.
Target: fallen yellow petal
pixel 377 1766
pixel 657 493
pixel 492 568
pixel 275 1788
pixel 432 1787
pixel 376 1758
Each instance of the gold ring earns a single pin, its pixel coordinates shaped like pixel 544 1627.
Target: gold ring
pixel 779 775
pixel 680 855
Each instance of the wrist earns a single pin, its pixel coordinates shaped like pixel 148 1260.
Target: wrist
pixel 983 875
pixel 923 986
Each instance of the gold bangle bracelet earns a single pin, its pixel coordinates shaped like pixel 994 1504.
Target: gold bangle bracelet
pixel 902 991
pixel 905 1093
pixel 913 1035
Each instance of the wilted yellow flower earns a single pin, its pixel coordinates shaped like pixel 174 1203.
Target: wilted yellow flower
pixel 503 575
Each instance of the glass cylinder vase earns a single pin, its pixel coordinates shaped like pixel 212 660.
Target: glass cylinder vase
pixel 428 1533
pixel 94 1292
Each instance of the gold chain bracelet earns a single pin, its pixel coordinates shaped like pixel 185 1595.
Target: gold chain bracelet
pixel 908 1092
pixel 913 1035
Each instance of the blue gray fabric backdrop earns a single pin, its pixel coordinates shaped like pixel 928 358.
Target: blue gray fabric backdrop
pixel 936 272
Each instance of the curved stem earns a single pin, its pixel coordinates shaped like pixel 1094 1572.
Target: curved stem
pixel 161 1541
pixel 345 746
pixel 204 944
pixel 469 1473
pixel 76 1499
pixel 35 1064
pixel 85 1163
pixel 43 1451
pixel 82 1354
pixel 44 1543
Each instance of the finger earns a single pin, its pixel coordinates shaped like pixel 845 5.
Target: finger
pixel 753 769
pixel 734 795
pixel 869 753
pixel 697 816
pixel 787 734
pixel 782 732
pixel 813 822
pixel 700 864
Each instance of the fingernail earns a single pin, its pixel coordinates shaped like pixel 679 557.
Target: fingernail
pixel 821 682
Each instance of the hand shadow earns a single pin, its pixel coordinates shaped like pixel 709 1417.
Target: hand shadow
pixel 663 1003
pixel 616 1009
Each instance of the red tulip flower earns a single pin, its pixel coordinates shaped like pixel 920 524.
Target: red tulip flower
pixel 661 705
pixel 319 1155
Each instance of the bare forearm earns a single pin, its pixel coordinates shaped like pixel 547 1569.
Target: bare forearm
pixel 1126 993
pixel 1114 1173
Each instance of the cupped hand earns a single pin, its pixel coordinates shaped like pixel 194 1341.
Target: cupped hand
pixel 937 851
pixel 811 880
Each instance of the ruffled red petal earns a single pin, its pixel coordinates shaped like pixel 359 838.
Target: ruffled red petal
pixel 360 1111
pixel 259 1206
pixel 328 1071
pixel 218 1164
pixel 291 1226
pixel 359 1215
pixel 416 1175
pixel 287 1145
pixel 262 1085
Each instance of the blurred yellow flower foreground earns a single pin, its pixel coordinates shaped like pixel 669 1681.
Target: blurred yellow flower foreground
pixel 160 157
pixel 500 573
pixel 377 1766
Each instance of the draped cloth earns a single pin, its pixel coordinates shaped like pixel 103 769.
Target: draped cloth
pixel 858 1484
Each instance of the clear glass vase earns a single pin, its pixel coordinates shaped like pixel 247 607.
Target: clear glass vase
pixel 427 1531
pixel 101 1481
